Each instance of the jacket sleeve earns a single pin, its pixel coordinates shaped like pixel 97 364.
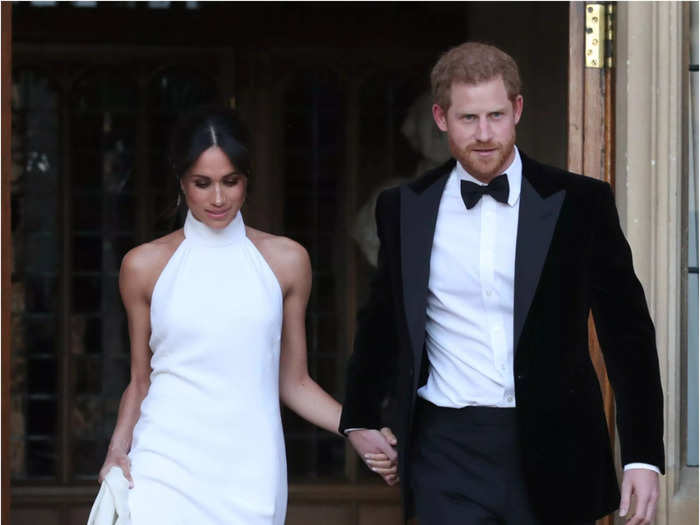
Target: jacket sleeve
pixel 628 340
pixel 372 366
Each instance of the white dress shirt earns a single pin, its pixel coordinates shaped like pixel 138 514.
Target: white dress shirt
pixel 469 326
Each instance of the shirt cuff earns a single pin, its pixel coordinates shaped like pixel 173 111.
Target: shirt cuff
pixel 642 465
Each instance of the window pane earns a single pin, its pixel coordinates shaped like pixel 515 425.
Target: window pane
pixel 87 253
pixel 314 148
pixel 39 250
pixel 87 372
pixel 36 253
pixel 41 420
pixel 41 376
pixel 105 90
pixel 87 212
pixel 86 294
pixel 105 117
pixel 86 418
pixel 87 454
pixel 39 334
pixel 181 88
pixel 86 334
pixel 40 293
pixel 41 458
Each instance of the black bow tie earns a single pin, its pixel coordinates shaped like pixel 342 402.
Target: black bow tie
pixel 497 188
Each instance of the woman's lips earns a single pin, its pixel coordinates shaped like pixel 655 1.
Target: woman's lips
pixel 217 214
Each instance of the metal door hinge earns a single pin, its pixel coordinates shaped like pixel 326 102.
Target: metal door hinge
pixel 600 35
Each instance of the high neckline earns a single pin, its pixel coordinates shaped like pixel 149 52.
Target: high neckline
pixel 200 233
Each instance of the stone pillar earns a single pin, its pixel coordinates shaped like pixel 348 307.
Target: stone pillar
pixel 650 167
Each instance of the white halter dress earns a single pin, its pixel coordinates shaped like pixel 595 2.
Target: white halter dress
pixel 208 447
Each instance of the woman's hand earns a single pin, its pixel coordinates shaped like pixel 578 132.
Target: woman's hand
pixel 117 458
pixel 381 463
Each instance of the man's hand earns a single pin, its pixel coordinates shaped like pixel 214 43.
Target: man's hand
pixel 376 448
pixel 644 485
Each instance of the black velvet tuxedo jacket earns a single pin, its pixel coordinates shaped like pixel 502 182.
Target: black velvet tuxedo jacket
pixel 571 259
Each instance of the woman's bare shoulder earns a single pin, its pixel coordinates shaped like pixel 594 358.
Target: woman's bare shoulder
pixel 288 259
pixel 145 262
pixel 277 246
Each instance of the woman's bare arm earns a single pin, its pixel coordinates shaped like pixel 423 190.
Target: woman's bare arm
pixel 297 390
pixel 139 271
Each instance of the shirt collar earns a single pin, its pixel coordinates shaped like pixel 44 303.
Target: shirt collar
pixel 514 172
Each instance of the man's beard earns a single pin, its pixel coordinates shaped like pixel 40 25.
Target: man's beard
pixel 484 169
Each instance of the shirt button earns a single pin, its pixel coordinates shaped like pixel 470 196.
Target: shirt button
pixel 488 293
pixel 509 399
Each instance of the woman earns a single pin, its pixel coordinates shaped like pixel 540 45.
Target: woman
pixel 216 321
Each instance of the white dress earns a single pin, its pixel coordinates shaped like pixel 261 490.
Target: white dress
pixel 208 446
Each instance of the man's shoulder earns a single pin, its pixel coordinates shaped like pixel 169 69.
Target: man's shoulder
pixel 549 179
pixel 390 198
pixel 388 201
pixel 431 176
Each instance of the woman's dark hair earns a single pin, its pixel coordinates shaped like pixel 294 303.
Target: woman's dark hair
pixel 197 131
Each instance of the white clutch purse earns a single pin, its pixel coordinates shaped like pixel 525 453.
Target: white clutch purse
pixel 111 505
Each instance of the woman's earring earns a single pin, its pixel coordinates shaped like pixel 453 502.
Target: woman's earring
pixel 179 200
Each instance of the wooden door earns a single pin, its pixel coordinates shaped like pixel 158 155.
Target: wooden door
pixel 591 151
pixel 5 249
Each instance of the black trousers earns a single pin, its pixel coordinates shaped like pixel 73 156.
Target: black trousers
pixel 466 469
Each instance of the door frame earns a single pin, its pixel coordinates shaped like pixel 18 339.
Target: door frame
pixel 6 253
pixel 591 151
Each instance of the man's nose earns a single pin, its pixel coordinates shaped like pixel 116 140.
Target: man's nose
pixel 483 131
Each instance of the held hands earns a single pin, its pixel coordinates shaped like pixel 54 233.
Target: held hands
pixel 644 485
pixel 376 448
pixel 117 458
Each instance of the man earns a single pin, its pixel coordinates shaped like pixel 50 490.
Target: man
pixel 477 322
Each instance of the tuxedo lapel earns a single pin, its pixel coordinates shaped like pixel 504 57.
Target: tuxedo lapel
pixel 419 207
pixel 537 219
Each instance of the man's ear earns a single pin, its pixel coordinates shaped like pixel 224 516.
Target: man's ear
pixel 517 108
pixel 440 117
